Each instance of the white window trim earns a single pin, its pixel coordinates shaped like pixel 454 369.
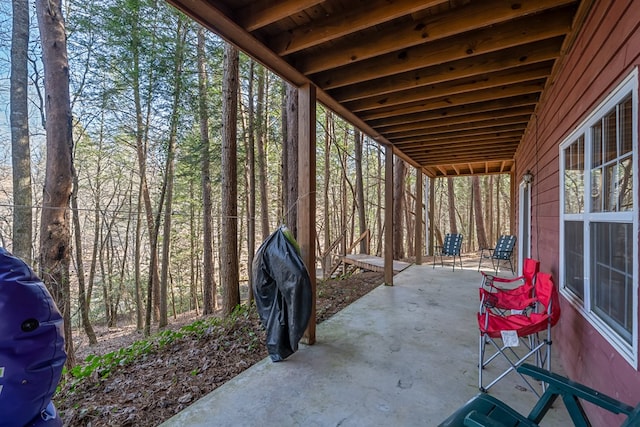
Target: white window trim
pixel 628 351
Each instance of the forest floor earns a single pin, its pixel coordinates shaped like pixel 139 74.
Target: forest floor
pixel 135 381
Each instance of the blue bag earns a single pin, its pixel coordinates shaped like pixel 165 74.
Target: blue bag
pixel 31 347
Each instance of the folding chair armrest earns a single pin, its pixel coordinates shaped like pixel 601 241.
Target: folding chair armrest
pixel 482 255
pixel 476 419
pixel 567 388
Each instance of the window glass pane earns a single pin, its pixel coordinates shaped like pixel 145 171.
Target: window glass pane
pixel 626 137
pixel 574 257
pixel 610 143
pixel 612 275
pixel 625 184
pixel 609 188
pixel 574 177
pixel 596 145
pixel 596 190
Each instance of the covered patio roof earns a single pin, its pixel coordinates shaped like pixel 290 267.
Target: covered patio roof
pixel 451 85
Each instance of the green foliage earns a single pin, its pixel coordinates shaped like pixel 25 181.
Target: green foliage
pixel 101 366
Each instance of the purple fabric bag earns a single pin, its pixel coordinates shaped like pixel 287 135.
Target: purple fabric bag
pixel 31 346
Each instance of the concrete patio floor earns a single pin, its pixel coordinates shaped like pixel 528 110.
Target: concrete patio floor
pixel 400 356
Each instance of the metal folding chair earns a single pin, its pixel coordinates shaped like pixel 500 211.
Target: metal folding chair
pixel 500 293
pixel 503 251
pixel 520 336
pixel 450 247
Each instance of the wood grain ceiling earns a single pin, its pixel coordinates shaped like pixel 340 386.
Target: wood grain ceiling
pixel 451 84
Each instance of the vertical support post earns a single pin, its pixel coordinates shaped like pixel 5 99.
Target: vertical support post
pixel 431 212
pixel 388 216
pixel 307 193
pixel 512 211
pixel 418 217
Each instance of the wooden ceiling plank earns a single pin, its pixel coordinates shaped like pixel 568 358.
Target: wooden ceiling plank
pixel 461 99
pixel 456 87
pixel 518 56
pixel 431 160
pixel 484 119
pixel 459 20
pixel 332 27
pixel 444 143
pixel 525 101
pixel 440 145
pixel 478 42
pixel 260 13
pixel 466 130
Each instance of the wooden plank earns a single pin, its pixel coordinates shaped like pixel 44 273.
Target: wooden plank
pixel 460 20
pixel 307 192
pixel 388 216
pixel 455 124
pixel 478 42
pixel 461 99
pixel 261 13
pixel 527 54
pixel 373 263
pixel 418 238
pixel 455 87
pixel 335 26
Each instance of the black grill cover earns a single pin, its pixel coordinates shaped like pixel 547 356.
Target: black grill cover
pixel 282 290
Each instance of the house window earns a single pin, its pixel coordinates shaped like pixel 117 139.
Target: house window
pixel 599 218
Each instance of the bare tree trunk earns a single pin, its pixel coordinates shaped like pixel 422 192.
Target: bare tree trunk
pixel 379 188
pixel 229 186
pixel 83 304
pixel 362 220
pixel 181 34
pixel 20 150
pixel 399 170
pixel 453 224
pixel 290 154
pixel 55 236
pixel 251 183
pixel 327 174
pixel 489 210
pixel 477 202
pixel 208 281
pixel 262 161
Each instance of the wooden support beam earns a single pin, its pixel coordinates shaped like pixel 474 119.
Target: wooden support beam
pixel 431 214
pixel 260 13
pixel 473 16
pixel 479 96
pixel 518 56
pixel 546 26
pixel 454 87
pixel 307 192
pixel 418 238
pixel 388 216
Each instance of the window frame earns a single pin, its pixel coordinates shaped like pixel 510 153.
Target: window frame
pixel 629 351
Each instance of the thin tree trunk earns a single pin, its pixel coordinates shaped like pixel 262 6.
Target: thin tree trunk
pixel 453 224
pixel 229 185
pixel 208 280
pixel 20 150
pixel 83 303
pixel 290 172
pixel 181 33
pixel 362 220
pixel 262 161
pixel 55 236
pixel 251 184
pixel 477 201
pixel 399 170
pixel 327 175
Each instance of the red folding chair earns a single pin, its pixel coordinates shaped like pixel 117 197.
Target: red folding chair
pixel 499 294
pixel 519 337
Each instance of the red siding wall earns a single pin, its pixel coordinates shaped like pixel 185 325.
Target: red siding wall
pixel 605 52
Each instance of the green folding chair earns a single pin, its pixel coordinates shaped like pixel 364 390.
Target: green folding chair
pixel 487 411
